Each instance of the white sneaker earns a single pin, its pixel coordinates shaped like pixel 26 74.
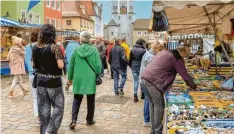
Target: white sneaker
pixel 147 124
pixel 38 123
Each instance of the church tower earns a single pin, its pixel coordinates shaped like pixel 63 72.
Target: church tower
pixel 123 14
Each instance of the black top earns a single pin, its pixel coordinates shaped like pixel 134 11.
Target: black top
pixel 45 62
pixel 118 58
pixel 136 55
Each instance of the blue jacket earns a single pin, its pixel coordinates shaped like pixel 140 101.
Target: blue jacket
pixel 28 58
pixel 69 50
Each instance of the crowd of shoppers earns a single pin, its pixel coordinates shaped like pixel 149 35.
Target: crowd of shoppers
pixel 153 67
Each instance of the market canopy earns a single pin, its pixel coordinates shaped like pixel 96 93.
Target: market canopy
pixel 191 17
pixel 5 22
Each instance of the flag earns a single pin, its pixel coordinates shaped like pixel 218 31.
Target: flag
pixel 32 3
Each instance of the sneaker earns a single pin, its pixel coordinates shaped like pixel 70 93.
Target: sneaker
pixel 147 124
pixel 67 87
pixel 38 123
pixel 73 124
pixel 25 92
pixel 135 98
pixel 90 123
pixel 11 95
pixel 116 93
pixel 142 96
pixel 121 92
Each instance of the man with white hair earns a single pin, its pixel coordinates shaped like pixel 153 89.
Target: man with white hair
pixel 84 65
pixel 156 47
pixel 102 51
pixel 119 63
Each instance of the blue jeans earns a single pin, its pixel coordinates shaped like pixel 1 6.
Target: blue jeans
pixel 116 74
pixel 135 75
pixel 146 105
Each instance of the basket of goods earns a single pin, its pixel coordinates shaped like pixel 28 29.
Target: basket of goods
pixel 179 100
pixel 220 131
pixel 218 124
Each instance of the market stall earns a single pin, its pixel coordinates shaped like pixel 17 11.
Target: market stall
pixel 210 108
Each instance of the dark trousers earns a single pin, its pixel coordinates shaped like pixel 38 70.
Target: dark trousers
pixel 90 106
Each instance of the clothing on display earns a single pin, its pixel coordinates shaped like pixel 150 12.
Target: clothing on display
pixel 160 22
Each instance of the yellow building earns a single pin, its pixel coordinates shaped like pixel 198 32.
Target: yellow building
pixel 76 16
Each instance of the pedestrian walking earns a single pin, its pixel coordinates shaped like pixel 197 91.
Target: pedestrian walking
pixel 16 63
pixel 135 58
pixel 102 51
pixel 48 65
pixel 28 62
pixel 147 57
pixel 84 65
pixel 109 47
pixel 126 48
pixel 71 45
pixel 119 64
pixel 158 77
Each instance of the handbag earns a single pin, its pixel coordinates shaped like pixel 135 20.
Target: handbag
pixel 98 78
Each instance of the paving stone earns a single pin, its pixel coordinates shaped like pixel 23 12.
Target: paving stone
pixel 17 114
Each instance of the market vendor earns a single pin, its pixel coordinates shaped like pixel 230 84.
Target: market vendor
pixel 158 78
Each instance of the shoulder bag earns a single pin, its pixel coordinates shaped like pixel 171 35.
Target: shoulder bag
pixel 98 78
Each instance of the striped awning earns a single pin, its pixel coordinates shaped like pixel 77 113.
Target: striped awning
pixel 8 22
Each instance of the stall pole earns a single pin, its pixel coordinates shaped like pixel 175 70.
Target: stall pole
pixel 3 32
pixel 218 38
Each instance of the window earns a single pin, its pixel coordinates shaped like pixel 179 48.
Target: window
pixel 30 18
pixel 23 14
pixel 139 33
pixel 58 23
pixel 68 22
pixel 130 17
pixel 48 3
pixel 37 19
pixel 58 5
pixel 145 33
pixel 53 5
pixel 119 17
pixel 47 20
pixel 112 33
pixel 53 22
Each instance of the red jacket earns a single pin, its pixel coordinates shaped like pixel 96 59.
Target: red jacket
pixel 108 50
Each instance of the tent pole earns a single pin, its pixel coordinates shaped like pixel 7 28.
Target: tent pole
pixel 3 32
pixel 218 38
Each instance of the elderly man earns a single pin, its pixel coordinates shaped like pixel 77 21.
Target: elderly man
pixel 158 78
pixel 147 57
pixel 102 51
pixel 119 63
pixel 85 64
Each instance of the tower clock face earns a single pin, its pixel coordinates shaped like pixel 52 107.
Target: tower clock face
pixel 123 10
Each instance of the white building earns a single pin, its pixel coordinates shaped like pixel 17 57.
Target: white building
pixel 122 18
pixel 98 27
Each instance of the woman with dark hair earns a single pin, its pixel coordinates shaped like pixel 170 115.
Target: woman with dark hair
pixel 48 65
pixel 28 62
pixel 136 55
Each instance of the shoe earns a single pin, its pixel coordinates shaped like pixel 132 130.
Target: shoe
pixel 147 124
pixel 90 123
pixel 38 123
pixel 116 93
pixel 142 96
pixel 25 92
pixel 11 95
pixel 73 124
pixel 135 98
pixel 121 92
pixel 67 87
pixel 112 77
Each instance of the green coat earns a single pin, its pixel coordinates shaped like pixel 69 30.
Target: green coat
pixel 82 76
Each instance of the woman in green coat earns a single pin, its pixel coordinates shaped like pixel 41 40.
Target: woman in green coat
pixel 83 77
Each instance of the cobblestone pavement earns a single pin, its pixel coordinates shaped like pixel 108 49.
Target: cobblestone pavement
pixel 17 114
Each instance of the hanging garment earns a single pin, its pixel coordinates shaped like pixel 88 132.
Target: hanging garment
pixel 160 22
